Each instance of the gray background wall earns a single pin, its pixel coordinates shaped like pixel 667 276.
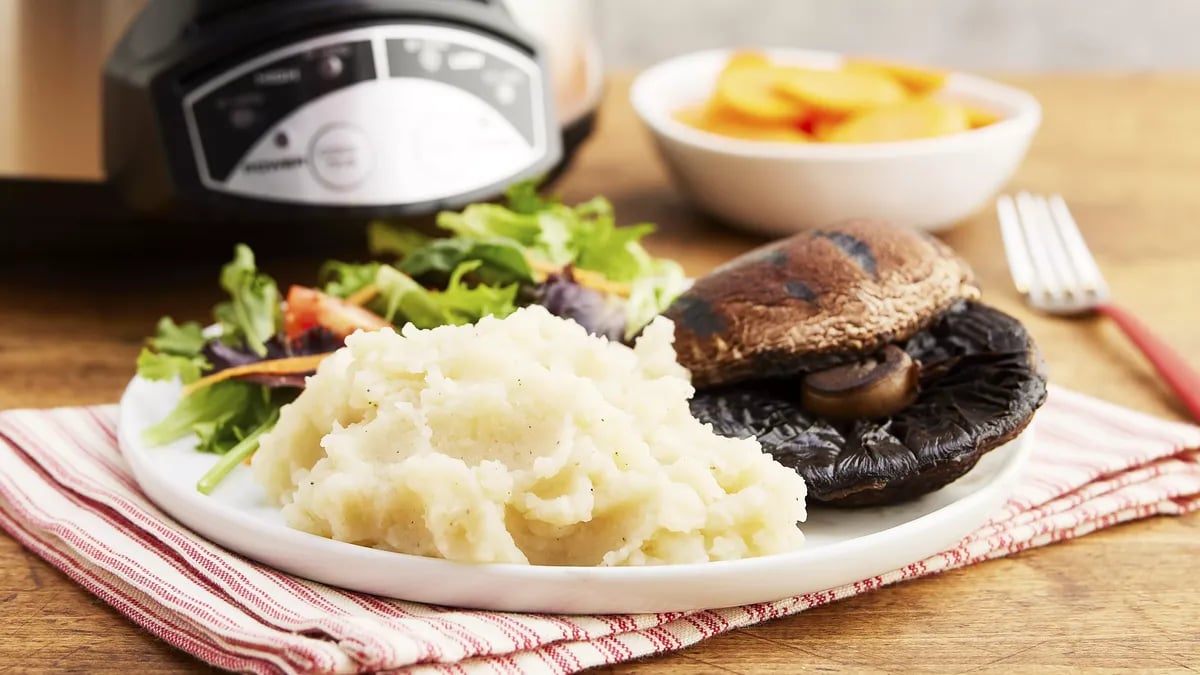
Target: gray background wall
pixel 998 35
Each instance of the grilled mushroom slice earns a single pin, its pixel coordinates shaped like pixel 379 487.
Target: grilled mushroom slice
pixel 981 382
pixel 877 386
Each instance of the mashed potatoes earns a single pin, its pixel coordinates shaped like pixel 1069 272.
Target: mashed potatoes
pixel 522 440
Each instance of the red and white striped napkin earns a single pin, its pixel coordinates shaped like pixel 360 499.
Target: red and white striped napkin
pixel 67 495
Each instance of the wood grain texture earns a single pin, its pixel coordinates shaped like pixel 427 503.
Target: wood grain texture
pixel 1121 149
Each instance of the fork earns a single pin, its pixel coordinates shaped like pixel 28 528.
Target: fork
pixel 1053 268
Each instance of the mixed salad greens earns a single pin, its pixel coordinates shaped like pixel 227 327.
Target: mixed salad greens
pixel 254 357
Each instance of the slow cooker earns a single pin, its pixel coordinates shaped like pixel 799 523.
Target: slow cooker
pixel 307 114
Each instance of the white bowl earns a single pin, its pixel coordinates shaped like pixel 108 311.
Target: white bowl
pixel 781 188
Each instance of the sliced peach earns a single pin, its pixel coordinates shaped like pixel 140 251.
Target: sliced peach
pixel 917 79
pixel 746 58
pixel 920 118
pixel 978 117
pixel 752 91
pixel 756 131
pixel 724 122
pixel 823 129
pixel 693 115
pixel 839 91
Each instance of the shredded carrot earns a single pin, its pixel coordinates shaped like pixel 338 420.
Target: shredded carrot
pixel 586 278
pixel 599 282
pixel 363 295
pixel 290 366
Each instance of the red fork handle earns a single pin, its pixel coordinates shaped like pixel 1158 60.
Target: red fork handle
pixel 1169 364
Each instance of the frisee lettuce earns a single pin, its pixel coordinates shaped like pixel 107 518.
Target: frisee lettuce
pixel 500 260
pixel 178 340
pixel 158 366
pixel 341 279
pixel 174 352
pixel 525 197
pixel 508 240
pixel 404 300
pixel 661 283
pixel 251 316
pixel 585 236
pixel 383 239
pixel 616 253
pixel 463 304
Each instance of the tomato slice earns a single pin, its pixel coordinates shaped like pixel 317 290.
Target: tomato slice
pixel 308 308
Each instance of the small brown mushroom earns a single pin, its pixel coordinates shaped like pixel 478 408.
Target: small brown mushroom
pixel 877 386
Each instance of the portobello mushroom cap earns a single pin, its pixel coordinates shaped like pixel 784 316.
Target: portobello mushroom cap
pixel 859 356
pixel 981 381
pixel 815 300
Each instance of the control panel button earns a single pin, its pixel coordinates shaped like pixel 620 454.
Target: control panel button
pixel 341 157
pixel 243 118
pixel 331 67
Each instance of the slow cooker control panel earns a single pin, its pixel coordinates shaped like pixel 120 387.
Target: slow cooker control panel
pixel 403 113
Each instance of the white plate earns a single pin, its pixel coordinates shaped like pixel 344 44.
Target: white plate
pixel 842 547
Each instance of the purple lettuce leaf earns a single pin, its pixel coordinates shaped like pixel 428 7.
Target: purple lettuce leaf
pixel 600 314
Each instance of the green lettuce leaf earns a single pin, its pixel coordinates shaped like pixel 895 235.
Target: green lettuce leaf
pixel 162 366
pixel 463 304
pixel 491 221
pixel 221 415
pixel 208 408
pixel 501 260
pixel 601 246
pixel 177 340
pixel 252 314
pixel 524 197
pixel 342 279
pixel 236 454
pixel 220 434
pixel 386 240
pixel 555 240
pixel 504 240
pixel 404 300
pixel 585 235
pixel 550 234
pixel 615 251
pixel 651 294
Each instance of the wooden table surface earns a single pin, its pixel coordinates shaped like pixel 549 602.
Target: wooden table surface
pixel 1122 149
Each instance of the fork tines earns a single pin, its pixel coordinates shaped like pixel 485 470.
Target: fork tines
pixel 1047 256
